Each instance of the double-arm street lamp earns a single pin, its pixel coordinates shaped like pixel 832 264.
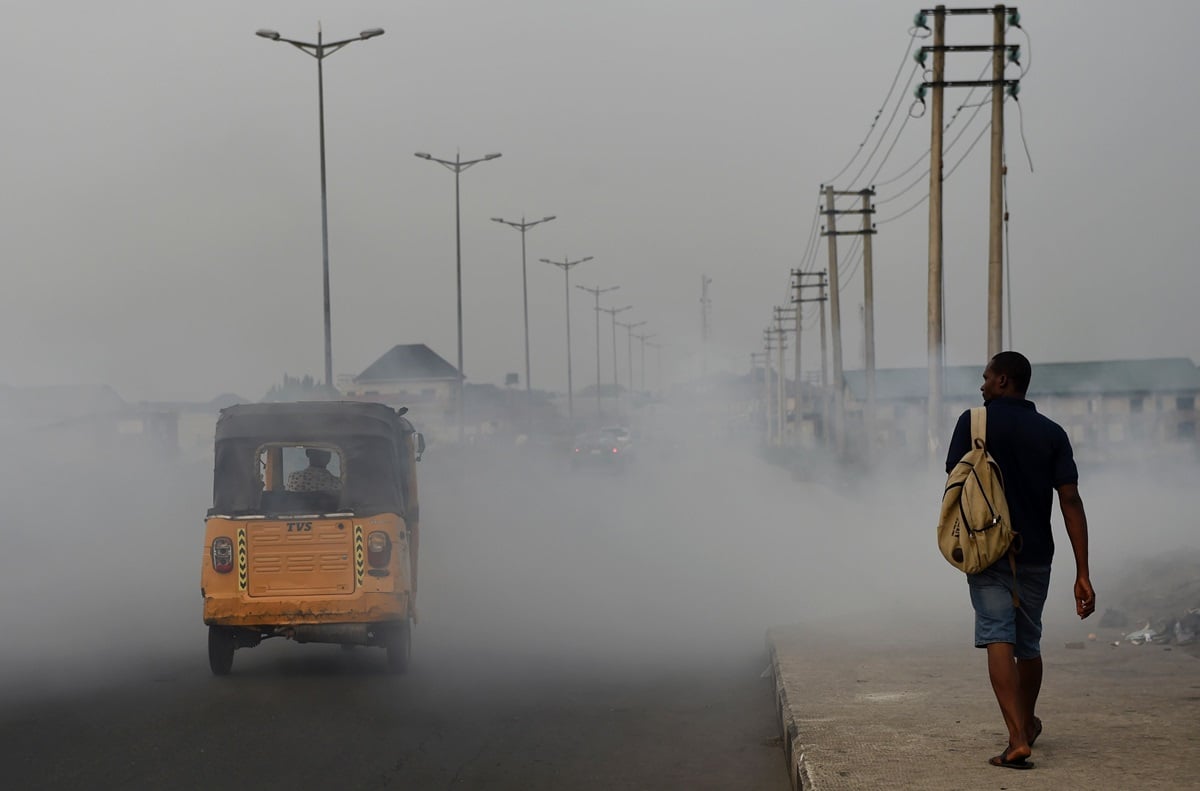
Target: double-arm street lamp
pixel 596 292
pixel 320 51
pixel 566 265
pixel 457 166
pixel 523 226
pixel 612 312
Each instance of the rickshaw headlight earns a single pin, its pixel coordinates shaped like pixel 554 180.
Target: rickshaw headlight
pixel 222 555
pixel 379 549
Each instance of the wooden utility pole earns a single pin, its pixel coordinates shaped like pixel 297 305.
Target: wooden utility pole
pixel 868 231
pixel 831 213
pixel 768 347
pixel 996 224
pixel 799 301
pixel 797 410
pixel 835 320
pixel 781 335
pixel 823 298
pixel 934 316
pixel 995 324
pixel 755 357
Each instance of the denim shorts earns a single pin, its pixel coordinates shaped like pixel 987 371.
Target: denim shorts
pixel 996 620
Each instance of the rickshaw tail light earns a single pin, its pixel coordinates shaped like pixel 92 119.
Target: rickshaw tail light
pixel 379 549
pixel 222 555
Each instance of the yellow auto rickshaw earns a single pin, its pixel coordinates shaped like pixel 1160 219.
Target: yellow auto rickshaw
pixel 314 528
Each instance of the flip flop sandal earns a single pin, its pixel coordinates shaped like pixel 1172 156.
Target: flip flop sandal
pixel 1017 763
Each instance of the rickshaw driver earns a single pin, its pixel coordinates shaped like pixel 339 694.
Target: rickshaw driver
pixel 315 477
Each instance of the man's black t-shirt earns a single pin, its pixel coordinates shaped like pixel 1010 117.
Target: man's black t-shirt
pixel 1034 455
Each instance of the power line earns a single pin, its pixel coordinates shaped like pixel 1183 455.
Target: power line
pixel 883 134
pixel 911 38
pixel 947 178
pixel 851 262
pixel 949 146
pixel 965 105
pixel 891 148
pixel 810 246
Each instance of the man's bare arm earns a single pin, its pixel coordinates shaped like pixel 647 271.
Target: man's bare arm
pixel 1071 503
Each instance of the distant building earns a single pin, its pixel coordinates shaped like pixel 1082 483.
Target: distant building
pixel 1113 410
pixel 73 422
pixel 407 374
pixel 415 376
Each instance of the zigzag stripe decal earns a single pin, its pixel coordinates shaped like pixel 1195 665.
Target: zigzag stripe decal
pixel 360 558
pixel 242 561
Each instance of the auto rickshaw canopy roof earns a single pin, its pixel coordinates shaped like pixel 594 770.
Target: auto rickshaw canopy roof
pixel 369 435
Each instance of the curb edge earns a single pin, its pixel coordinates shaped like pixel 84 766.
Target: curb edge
pixel 798 766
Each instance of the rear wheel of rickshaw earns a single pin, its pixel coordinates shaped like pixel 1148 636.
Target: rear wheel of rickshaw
pixel 221 644
pixel 399 646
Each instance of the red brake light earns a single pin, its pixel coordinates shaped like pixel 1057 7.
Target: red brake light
pixel 222 555
pixel 379 549
pixel 614 450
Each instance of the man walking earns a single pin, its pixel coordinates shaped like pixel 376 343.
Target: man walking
pixel 1035 458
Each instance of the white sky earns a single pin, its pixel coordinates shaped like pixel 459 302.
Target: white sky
pixel 160 193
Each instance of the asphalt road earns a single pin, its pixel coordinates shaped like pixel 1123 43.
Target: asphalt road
pixel 316 717
pixel 576 632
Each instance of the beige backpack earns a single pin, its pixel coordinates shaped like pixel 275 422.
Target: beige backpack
pixel 974 530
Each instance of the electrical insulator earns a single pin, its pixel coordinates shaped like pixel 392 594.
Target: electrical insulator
pixel 1014 89
pixel 920 92
pixel 919 21
pixel 1014 18
pixel 919 56
pixel 1014 55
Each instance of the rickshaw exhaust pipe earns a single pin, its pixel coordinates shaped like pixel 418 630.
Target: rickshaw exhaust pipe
pixel 352 633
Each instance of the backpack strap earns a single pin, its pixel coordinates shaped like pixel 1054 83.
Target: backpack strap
pixel 978 426
pixel 979 440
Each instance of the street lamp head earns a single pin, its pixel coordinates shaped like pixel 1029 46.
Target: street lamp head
pixel 371 33
pixel 588 258
pixel 271 34
pixel 492 156
pixel 497 219
pixel 548 219
pixel 547 261
pixel 422 155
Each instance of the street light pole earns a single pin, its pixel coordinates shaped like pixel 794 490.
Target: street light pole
pixel 643 339
pixel 657 347
pixel 523 226
pixel 596 292
pixel 457 166
pixel 320 51
pixel 613 313
pixel 629 328
pixel 566 265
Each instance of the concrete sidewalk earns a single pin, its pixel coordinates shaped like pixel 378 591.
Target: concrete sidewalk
pixel 862 712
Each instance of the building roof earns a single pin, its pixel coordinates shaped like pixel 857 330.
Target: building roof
pixel 1100 377
pixel 408 362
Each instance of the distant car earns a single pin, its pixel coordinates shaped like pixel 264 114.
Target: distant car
pixel 611 446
